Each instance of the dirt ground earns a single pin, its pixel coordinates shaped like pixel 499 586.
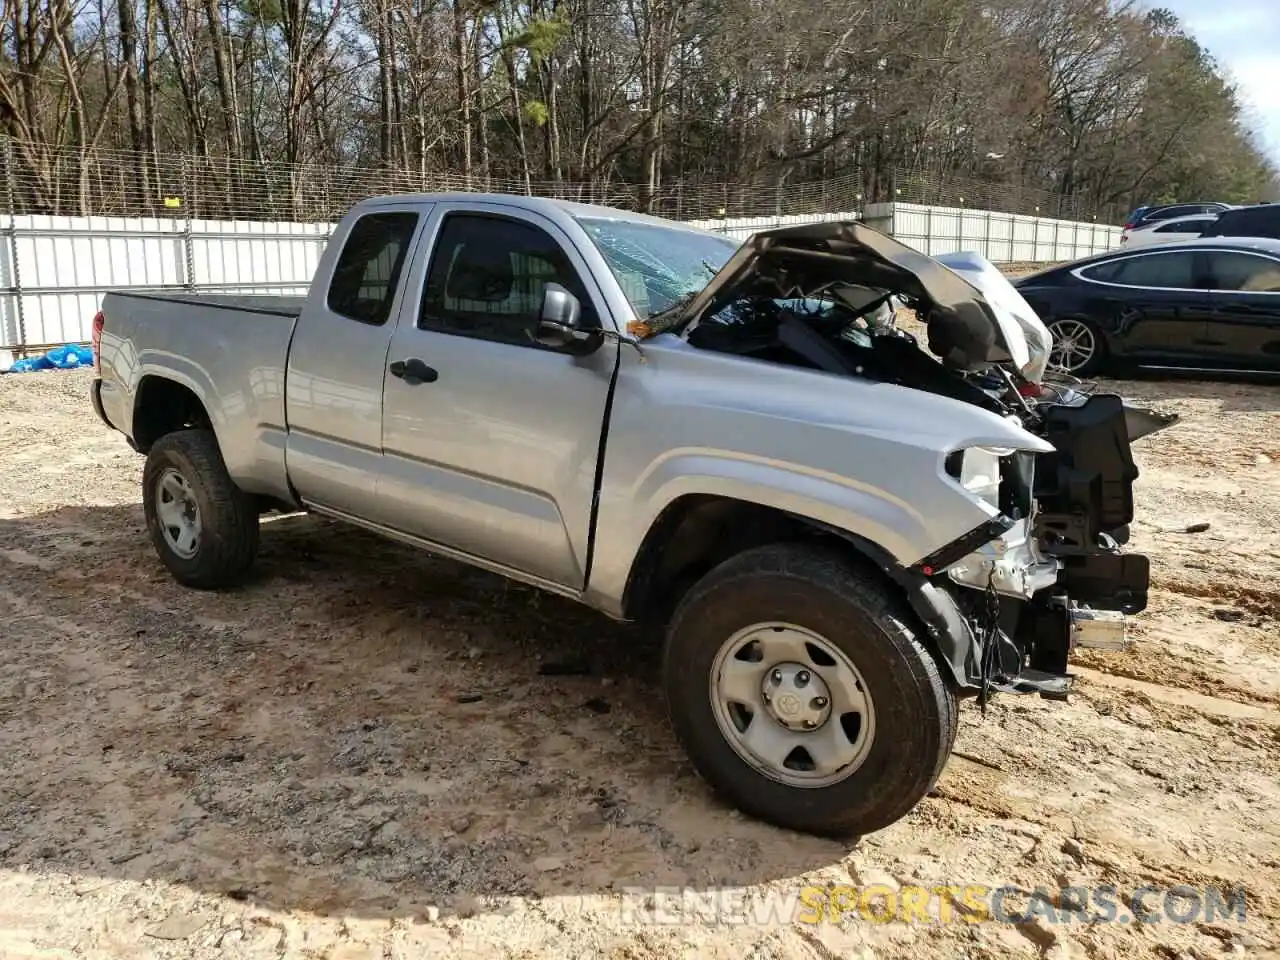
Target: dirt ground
pixel 372 753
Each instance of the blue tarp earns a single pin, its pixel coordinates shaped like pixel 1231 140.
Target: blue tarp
pixel 66 357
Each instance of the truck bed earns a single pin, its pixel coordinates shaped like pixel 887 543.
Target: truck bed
pixel 230 350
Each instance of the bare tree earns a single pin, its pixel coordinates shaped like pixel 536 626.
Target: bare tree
pixel 689 106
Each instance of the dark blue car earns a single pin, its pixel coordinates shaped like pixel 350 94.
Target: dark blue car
pixel 1210 304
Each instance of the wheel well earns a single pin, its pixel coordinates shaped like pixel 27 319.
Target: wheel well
pixel 163 406
pixel 696 533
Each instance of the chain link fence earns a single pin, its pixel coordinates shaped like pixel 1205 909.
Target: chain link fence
pixel 45 179
pixel 138 222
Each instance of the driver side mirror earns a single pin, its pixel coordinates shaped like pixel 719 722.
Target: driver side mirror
pixel 560 323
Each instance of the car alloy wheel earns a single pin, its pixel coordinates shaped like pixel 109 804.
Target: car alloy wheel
pixel 1074 345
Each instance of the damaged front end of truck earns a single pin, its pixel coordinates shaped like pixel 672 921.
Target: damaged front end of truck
pixel 1046 573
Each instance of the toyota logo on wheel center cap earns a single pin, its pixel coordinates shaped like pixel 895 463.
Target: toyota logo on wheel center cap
pixel 788 704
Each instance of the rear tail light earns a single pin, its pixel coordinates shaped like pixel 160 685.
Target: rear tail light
pixel 98 322
pixel 1032 390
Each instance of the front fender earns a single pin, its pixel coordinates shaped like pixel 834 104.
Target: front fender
pixel 840 502
pixel 879 526
pixel 899 531
pixel 860 457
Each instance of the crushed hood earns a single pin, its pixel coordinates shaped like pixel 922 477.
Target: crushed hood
pixel 970 317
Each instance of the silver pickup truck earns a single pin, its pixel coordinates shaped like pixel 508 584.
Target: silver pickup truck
pixel 844 528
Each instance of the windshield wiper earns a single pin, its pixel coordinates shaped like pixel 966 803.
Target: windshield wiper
pixel 675 304
pixel 683 298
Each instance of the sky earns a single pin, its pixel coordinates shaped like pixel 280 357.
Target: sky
pixel 1244 37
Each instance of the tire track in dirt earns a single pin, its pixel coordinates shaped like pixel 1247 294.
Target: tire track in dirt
pixel 1172 673
pixel 1262 601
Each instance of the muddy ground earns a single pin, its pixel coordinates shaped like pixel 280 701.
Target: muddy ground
pixel 367 752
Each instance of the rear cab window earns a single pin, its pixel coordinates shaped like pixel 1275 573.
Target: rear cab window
pixel 369 268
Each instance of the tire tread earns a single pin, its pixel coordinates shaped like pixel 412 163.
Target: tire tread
pixel 866 589
pixel 229 531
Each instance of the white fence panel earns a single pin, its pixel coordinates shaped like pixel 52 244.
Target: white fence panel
pixel 242 252
pixel 740 228
pixel 63 265
pixel 1000 237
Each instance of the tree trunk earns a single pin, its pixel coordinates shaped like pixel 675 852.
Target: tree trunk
pixel 513 87
pixel 551 129
pixel 149 101
pixel 464 95
pixel 482 121
pixel 140 192
pixel 226 97
pixel 188 81
pixel 382 25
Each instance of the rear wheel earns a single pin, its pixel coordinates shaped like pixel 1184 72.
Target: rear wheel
pixel 1079 347
pixel 798 687
pixel 204 527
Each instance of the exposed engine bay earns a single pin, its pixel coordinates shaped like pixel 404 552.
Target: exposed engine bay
pixel 1047 573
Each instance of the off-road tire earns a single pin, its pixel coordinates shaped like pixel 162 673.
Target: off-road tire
pixel 865 616
pixel 229 518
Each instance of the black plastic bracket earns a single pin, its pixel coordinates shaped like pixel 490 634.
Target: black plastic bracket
pixel 962 546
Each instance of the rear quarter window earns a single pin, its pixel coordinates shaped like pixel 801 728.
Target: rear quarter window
pixel 1166 270
pixel 1185 226
pixel 368 270
pixel 1104 272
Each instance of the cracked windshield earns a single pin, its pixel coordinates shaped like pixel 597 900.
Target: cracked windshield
pixel 657 267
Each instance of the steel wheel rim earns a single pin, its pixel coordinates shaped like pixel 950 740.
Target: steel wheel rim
pixel 1074 345
pixel 178 514
pixel 792 705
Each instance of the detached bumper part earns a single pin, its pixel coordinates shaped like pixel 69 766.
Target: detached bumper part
pixel 1107 580
pixel 1098 630
pixel 1040 620
pixel 1050 686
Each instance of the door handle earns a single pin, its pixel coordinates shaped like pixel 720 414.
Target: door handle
pixel 413 371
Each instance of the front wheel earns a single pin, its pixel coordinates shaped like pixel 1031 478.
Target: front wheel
pixel 203 526
pixel 800 691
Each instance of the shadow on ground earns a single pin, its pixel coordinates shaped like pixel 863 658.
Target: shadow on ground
pixel 362 730
pixel 1235 392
